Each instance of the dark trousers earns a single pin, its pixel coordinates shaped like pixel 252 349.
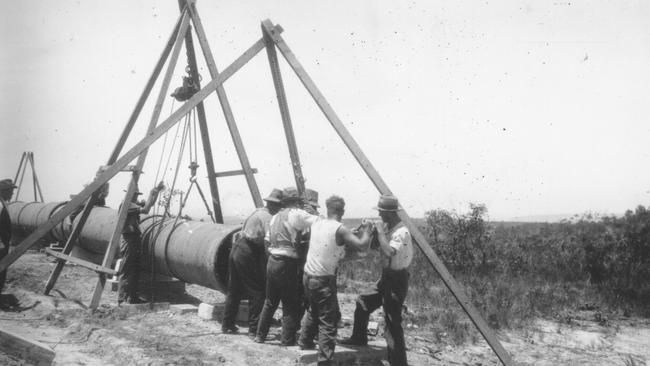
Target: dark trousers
pixel 281 285
pixel 130 272
pixel 245 280
pixel 3 275
pixel 321 317
pixel 390 293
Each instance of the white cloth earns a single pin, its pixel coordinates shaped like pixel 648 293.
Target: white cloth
pixel 297 220
pixel 324 254
pixel 400 240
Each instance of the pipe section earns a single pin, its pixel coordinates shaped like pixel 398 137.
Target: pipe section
pixel 192 251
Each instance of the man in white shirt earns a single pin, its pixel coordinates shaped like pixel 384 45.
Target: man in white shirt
pixel 283 237
pixel 327 246
pixel 396 247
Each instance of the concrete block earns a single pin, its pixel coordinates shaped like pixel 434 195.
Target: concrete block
pixel 215 311
pixel 112 283
pixel 183 309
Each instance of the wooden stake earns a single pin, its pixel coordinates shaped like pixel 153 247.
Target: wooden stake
pixel 382 187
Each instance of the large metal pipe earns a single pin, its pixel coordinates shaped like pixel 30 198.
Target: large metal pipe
pixel 27 216
pixel 192 251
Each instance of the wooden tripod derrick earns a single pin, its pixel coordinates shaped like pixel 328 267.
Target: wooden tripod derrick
pixel 271 40
pixel 27 160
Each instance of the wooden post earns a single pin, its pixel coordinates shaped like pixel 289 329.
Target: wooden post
pixel 284 113
pixel 37 186
pixel 20 165
pixel 382 187
pixel 123 161
pixel 203 125
pixel 225 106
pixel 116 235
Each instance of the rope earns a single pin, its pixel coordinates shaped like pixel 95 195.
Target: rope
pixel 178 162
pixel 162 153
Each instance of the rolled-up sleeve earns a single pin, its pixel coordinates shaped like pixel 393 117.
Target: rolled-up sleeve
pixel 400 240
pixel 300 219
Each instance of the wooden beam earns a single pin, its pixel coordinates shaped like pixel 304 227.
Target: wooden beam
pixel 225 106
pixel 455 288
pixel 284 113
pixel 231 173
pixel 81 262
pixel 203 125
pixel 30 351
pixel 128 168
pixel 116 235
pixel 37 185
pixel 130 155
pixel 20 165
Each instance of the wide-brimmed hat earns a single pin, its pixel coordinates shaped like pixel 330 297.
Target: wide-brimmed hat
pixel 7 184
pixel 290 195
pixel 311 197
pixel 275 196
pixel 387 203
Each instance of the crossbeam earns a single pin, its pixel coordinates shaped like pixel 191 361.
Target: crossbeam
pixel 81 262
pixel 231 173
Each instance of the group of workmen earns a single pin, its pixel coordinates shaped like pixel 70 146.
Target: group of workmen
pixel 286 252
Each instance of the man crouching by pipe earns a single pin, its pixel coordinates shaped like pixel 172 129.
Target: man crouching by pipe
pixel 247 267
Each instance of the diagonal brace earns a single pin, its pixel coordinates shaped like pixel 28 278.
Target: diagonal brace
pixel 455 288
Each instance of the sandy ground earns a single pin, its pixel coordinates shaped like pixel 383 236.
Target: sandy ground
pixel 119 336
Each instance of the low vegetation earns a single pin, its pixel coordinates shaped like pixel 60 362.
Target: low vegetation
pixel 516 272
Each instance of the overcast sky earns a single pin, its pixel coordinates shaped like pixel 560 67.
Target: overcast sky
pixel 530 107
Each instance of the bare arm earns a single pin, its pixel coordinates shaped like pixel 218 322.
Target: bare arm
pixel 384 246
pixel 345 236
pixel 153 196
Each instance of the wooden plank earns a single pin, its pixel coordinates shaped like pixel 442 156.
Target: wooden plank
pixel 203 125
pixel 225 106
pixel 231 173
pixel 81 262
pixel 145 93
pixel 113 244
pixel 284 113
pixel 128 168
pixel 130 155
pixel 382 187
pixel 30 351
pixel 37 185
